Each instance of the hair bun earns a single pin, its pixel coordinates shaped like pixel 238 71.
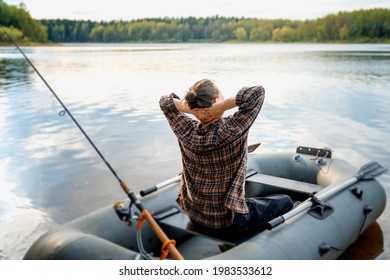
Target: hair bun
pixel 191 95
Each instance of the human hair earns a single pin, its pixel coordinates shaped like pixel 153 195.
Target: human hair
pixel 201 94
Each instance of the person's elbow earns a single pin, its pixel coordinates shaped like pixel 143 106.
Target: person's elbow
pixel 163 102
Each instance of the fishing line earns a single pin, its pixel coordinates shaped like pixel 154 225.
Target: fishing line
pixel 65 111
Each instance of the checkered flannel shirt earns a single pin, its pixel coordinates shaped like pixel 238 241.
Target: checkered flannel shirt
pixel 214 159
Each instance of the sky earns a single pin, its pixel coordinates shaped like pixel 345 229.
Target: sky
pixel 97 10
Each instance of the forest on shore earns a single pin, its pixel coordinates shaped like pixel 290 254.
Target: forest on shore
pixel 362 26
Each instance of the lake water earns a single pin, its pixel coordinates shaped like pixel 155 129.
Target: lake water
pixel 317 95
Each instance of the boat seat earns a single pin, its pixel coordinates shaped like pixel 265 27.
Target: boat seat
pixel 283 183
pixel 174 218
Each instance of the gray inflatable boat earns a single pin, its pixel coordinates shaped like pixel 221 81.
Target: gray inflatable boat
pixel 336 202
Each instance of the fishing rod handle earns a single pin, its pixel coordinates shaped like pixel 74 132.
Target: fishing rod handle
pixel 161 235
pixel 124 187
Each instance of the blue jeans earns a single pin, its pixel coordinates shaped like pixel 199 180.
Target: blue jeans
pixel 261 211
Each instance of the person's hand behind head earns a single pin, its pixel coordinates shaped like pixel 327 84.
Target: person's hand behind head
pixel 209 115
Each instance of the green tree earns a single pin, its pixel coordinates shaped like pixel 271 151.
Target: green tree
pixel 58 33
pixel 16 34
pixel 284 34
pixel 344 33
pixel 241 34
pixel 363 25
pixel 20 19
pixel 96 34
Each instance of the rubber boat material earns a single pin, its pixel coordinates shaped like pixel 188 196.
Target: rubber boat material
pixel 336 206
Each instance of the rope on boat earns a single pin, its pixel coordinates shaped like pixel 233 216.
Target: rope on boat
pixel 320 160
pixel 141 248
pixel 140 244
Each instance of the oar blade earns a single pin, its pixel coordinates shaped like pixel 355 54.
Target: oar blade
pixel 370 171
pixel 253 147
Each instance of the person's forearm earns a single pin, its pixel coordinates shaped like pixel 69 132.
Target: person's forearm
pixel 211 114
pixel 229 103
pixel 182 106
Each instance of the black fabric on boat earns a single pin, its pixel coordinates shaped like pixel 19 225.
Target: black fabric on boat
pixel 181 221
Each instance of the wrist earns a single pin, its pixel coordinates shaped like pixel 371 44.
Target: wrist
pixel 181 105
pixel 228 103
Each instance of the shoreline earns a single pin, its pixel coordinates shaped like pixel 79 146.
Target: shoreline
pixel 33 44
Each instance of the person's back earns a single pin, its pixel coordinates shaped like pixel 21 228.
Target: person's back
pixel 214 152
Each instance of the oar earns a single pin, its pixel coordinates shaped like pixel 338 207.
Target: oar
pixel 253 147
pixel 366 172
pixel 161 185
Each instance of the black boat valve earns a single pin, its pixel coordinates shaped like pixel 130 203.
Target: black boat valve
pixel 324 248
pixel 367 209
pixel 357 192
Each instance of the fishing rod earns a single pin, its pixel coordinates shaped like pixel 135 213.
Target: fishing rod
pixel 133 198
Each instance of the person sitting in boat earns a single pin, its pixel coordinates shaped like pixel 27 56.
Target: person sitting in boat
pixel 214 157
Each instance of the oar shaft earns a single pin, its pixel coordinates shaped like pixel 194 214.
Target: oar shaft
pixel 337 189
pixel 308 203
pixel 281 219
pixel 160 185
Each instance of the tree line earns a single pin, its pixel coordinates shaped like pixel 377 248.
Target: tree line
pixel 358 26
pixel 20 25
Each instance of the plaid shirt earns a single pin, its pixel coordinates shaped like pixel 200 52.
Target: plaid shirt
pixel 214 159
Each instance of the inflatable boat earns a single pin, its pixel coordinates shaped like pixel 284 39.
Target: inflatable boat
pixel 334 203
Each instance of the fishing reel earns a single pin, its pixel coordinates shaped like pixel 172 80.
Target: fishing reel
pixel 123 212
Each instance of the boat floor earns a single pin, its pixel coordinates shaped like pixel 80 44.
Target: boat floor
pixel 204 248
pixel 175 219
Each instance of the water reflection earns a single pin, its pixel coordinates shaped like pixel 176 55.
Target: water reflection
pixel 13 72
pixel 21 221
pixel 368 247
